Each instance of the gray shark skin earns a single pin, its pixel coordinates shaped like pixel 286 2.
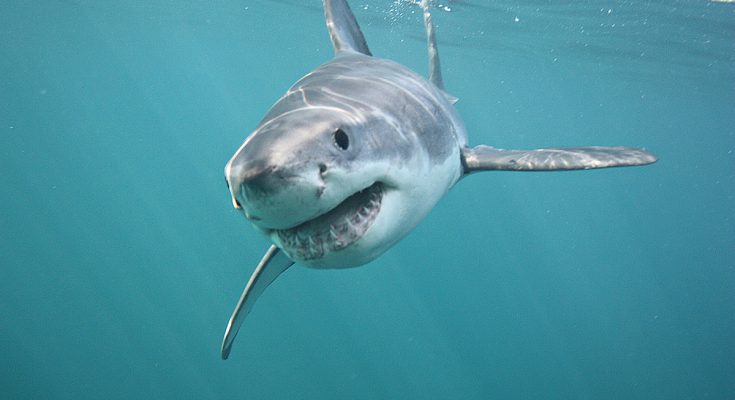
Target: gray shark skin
pixel 356 153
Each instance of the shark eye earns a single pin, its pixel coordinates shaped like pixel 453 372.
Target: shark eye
pixel 341 139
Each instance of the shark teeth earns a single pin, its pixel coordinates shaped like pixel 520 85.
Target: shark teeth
pixel 336 229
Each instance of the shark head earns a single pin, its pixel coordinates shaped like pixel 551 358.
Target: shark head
pixel 315 180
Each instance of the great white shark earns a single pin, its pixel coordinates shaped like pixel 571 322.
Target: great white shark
pixel 357 152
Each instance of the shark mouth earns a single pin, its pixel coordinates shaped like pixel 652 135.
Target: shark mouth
pixel 336 229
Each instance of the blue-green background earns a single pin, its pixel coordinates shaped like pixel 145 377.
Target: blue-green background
pixel 121 257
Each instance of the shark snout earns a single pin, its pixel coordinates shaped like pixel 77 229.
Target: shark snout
pixel 250 180
pixel 272 196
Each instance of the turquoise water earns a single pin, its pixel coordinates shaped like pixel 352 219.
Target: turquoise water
pixel 122 257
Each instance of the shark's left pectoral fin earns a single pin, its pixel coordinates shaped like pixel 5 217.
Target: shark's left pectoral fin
pixel 274 262
pixel 486 158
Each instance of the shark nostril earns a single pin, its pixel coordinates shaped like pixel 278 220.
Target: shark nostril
pixel 322 168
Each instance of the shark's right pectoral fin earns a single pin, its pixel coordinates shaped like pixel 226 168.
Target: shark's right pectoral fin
pixel 274 262
pixel 486 158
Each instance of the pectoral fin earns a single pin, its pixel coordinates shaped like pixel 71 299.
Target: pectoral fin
pixel 486 158
pixel 274 262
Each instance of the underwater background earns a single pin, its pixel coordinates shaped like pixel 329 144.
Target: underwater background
pixel 121 257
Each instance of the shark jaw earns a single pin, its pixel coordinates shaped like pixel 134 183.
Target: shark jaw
pixel 334 230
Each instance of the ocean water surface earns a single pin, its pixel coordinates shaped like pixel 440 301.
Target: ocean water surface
pixel 121 257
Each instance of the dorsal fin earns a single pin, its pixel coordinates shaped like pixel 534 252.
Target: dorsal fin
pixel 435 71
pixel 343 28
